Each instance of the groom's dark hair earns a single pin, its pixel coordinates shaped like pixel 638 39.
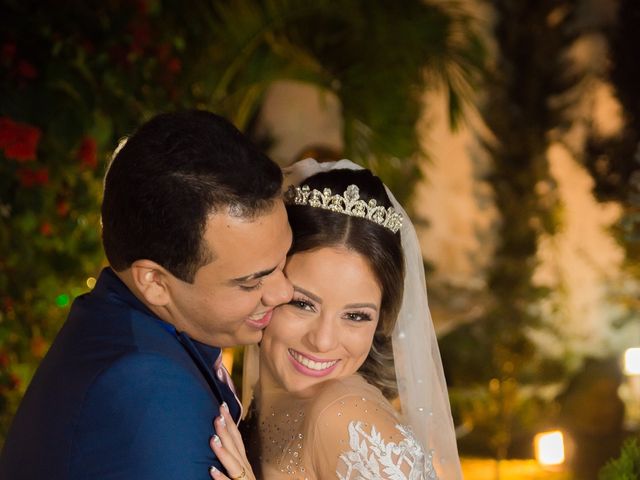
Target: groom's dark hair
pixel 162 185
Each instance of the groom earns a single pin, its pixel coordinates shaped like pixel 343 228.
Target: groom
pixel 196 235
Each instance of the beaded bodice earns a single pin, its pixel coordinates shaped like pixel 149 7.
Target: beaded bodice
pixel 347 431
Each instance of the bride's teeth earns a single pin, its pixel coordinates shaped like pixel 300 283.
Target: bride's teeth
pixel 310 363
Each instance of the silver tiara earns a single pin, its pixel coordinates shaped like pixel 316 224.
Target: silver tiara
pixel 349 203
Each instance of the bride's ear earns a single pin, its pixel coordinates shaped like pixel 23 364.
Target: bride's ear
pixel 150 280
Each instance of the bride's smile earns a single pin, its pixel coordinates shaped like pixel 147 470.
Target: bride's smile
pixel 308 365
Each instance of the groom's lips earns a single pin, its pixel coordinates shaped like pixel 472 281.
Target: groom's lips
pixel 262 321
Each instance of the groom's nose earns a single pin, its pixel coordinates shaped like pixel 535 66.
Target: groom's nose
pixel 277 289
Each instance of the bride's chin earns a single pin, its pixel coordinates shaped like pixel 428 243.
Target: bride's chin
pixel 306 391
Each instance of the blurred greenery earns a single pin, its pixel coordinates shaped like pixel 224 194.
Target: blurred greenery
pixel 626 466
pixel 499 377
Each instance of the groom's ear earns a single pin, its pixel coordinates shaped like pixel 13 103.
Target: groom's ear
pixel 150 279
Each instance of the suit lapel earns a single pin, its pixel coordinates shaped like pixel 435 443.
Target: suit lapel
pixel 206 370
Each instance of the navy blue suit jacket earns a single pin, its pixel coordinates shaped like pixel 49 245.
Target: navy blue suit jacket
pixel 120 395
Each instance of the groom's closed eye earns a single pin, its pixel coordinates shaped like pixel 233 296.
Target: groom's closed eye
pixel 248 280
pixel 250 288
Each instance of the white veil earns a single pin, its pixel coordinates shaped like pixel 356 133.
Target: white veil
pixel 420 376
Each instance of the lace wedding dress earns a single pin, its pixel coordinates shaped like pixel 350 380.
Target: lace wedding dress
pixel 345 431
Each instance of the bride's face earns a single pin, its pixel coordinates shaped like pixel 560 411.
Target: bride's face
pixel 327 329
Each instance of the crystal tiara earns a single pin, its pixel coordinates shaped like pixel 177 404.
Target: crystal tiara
pixel 349 203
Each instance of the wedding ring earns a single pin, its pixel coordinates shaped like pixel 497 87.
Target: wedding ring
pixel 242 475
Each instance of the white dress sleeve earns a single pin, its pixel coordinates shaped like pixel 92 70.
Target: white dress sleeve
pixel 370 457
pixel 358 436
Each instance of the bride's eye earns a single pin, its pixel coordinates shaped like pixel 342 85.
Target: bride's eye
pixel 302 304
pixel 358 316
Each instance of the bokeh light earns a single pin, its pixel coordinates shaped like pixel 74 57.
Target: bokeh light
pixel 549 447
pixel 632 361
pixel 62 300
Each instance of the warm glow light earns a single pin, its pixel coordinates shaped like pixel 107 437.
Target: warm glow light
pixel 91 282
pixel 549 448
pixel 632 361
pixel 227 359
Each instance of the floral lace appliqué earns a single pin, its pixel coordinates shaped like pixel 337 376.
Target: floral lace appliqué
pixel 371 458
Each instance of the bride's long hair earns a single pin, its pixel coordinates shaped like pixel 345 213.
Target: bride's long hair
pixel 315 228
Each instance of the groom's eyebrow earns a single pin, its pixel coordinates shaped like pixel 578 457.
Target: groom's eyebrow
pixel 254 276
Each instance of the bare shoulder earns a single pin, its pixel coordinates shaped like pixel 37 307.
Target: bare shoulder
pixel 351 422
pixel 352 390
pixel 350 399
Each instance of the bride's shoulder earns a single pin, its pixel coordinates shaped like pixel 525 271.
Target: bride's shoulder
pixel 356 433
pixel 348 394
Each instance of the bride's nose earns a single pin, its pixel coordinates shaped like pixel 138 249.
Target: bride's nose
pixel 323 334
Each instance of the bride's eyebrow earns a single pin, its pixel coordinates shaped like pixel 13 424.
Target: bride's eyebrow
pixel 362 305
pixel 312 296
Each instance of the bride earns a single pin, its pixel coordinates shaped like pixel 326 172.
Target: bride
pixel 354 346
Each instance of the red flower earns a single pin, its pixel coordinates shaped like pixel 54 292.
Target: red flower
pixel 62 208
pixel 39 346
pixel 88 152
pixel 7 126
pixel 14 380
pixel 8 51
pixel 27 70
pixel 19 140
pixel 8 304
pixel 4 359
pixel 142 6
pixel 31 178
pixel 141 33
pixel 174 65
pixel 46 229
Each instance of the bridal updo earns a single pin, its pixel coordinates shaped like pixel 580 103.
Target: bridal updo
pixel 315 228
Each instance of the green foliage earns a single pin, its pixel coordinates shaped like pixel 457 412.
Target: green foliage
pixel 376 57
pixel 73 82
pixel 626 466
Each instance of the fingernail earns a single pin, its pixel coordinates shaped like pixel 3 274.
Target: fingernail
pixel 216 440
pixel 225 406
pixel 213 470
pixel 223 422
